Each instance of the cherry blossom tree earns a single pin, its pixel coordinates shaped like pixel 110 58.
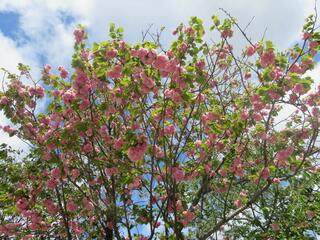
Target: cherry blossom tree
pixel 143 142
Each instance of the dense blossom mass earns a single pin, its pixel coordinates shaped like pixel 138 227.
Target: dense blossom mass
pixel 142 142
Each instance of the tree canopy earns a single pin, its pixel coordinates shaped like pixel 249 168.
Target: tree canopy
pixel 142 142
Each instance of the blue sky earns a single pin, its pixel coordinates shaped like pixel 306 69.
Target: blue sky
pixel 9 24
pixel 36 32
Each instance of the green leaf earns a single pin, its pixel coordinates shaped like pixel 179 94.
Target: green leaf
pixel 216 20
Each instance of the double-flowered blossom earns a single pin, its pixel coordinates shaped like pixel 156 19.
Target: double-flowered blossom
pixel 137 152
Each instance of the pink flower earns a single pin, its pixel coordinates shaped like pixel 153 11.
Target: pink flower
pixel 143 237
pixel 208 168
pixel 277 73
pixel 135 184
pixel 51 146
pixel 298 89
pixel 209 117
pixel 63 72
pixel 237 168
pixel 6 228
pixel 267 58
pixel 55 173
pixel 4 100
pixel 293 98
pixel 52 183
pixel 135 126
pixel 78 34
pixel 306 35
pixel 87 147
pixel 201 65
pixel 212 137
pixel 158 152
pixel 243 193
pixel 22 92
pixel 226 33
pixel 51 207
pixel 22 204
pixel 275 227
pixel 169 130
pixel 111 171
pixel 111 53
pixel 189 30
pixel 75 173
pixel 247 75
pixel 244 115
pixel 265 173
pixel 296 68
pixel 276 180
pixel 148 82
pixel 315 112
pixel 223 173
pixel 250 51
pixel 116 72
pixel 220 146
pixel 87 204
pixel 237 203
pixel 313 44
pixel 118 143
pixel 200 97
pixel 68 96
pixel 273 95
pixel 179 206
pixel 184 47
pixel 178 174
pixel 173 94
pixel 282 156
pixel 187 217
pixel 8 129
pixel 71 206
pixel 147 56
pixel 257 117
pixel 46 69
pixel 161 62
pixel 89 132
pixel 36 91
pixel 137 152
pixel 193 175
pixel 310 214
pixel 110 225
pixel 56 93
pixel 78 230
pixel 256 102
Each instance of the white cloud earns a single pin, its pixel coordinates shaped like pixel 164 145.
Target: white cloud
pixel 11 55
pixel 315 75
pixel 283 19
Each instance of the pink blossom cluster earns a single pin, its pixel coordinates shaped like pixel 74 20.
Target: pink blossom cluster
pixel 283 155
pixel 137 152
